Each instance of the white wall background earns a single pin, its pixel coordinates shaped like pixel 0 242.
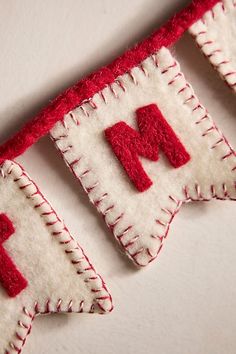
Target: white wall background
pixel 185 302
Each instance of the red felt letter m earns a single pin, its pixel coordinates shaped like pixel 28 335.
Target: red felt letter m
pixel 154 134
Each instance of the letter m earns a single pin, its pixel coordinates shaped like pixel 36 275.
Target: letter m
pixel 154 134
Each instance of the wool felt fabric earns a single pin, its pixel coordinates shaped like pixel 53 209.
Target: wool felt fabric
pixel 155 132
pixel 83 90
pixel 58 274
pixel 215 34
pixel 140 221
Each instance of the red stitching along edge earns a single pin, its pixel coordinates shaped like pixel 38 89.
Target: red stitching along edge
pixel 194 107
pixel 155 133
pixel 23 325
pixel 24 183
pixel 10 277
pixel 86 88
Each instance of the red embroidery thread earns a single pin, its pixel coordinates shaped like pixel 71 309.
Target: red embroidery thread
pixel 155 133
pixel 11 279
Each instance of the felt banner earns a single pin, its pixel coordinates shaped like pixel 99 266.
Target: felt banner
pixel 138 140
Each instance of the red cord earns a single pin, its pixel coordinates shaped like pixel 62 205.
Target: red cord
pixel 42 123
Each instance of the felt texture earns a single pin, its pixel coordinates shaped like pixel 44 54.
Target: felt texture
pixel 155 132
pixel 86 88
pixel 60 277
pixel 10 277
pixel 215 34
pixel 140 221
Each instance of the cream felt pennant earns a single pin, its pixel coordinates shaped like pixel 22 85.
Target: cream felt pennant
pixel 143 146
pixel 215 34
pixel 43 270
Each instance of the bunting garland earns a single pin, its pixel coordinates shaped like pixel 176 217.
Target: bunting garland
pixel 139 141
